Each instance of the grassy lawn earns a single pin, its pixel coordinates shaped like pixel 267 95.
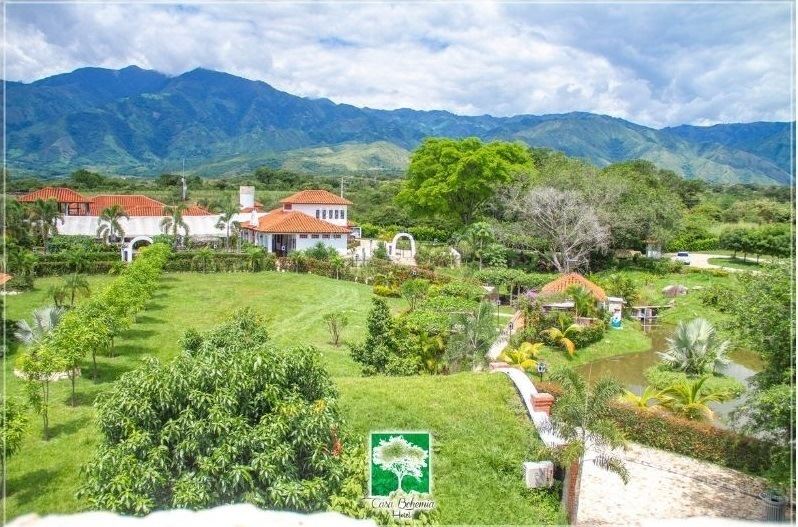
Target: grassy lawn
pixel 736 263
pixel 481 436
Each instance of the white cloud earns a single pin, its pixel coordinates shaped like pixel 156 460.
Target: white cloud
pixel 653 64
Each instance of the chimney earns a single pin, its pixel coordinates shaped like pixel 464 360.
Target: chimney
pixel 246 197
pixel 253 218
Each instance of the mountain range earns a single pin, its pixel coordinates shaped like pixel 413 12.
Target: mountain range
pixel 140 122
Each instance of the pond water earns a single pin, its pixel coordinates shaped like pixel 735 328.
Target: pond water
pixel 628 369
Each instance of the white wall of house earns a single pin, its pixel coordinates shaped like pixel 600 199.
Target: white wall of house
pixel 148 225
pixel 339 244
pixel 335 214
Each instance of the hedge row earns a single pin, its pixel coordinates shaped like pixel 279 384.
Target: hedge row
pixel 218 262
pixel 660 429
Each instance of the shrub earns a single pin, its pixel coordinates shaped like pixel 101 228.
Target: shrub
pixel 620 285
pixel 176 437
pixel 660 429
pixel 386 291
pixel 462 289
pixel 716 295
pixel 661 377
pixel 434 256
pixel 588 335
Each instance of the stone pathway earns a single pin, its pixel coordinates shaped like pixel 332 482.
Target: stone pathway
pixel 666 486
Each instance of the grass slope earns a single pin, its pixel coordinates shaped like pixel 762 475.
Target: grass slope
pixel 480 433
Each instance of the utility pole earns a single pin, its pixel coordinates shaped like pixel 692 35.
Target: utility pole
pixel 342 186
pixel 183 180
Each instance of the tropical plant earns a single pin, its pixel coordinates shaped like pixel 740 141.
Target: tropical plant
pixel 255 258
pixel 336 322
pixel 561 334
pixel 173 223
pixel 380 344
pixel 39 366
pixel 695 348
pixel 690 399
pixel 264 430
pixel 651 396
pixel 12 429
pixel 226 215
pixel 430 350
pixel 523 357
pixel 338 264
pixel 44 214
pixel 584 301
pixel 109 223
pixel 19 262
pixel 472 334
pixel 77 285
pixel 479 236
pixel 45 320
pixel 581 416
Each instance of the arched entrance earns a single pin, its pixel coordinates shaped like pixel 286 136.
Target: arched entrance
pixel 129 249
pixel 396 254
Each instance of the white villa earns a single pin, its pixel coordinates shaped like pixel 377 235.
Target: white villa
pixel 304 219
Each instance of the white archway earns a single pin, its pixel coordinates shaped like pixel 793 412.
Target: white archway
pixel 412 244
pixel 130 247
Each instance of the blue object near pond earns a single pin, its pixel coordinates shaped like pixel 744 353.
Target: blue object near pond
pixel 615 321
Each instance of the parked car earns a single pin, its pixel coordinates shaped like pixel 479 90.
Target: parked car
pixel 682 257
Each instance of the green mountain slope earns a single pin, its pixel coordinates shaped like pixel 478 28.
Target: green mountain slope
pixel 139 122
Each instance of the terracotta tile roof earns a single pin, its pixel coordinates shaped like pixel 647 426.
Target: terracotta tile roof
pixel 292 222
pixel 565 281
pixel 5 278
pixel 138 205
pixel 314 197
pixel 60 194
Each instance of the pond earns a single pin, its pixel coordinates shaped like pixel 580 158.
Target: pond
pixel 628 369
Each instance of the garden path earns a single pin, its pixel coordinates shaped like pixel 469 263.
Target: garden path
pixel 666 486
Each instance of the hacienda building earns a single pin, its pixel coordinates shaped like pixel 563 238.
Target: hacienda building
pixel 303 220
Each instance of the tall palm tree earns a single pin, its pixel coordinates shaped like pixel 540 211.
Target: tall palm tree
pixel 472 334
pixel 225 222
pixel 45 320
pixel 110 227
pixel 581 417
pixel 695 348
pixel 174 222
pixel 584 301
pixel 689 399
pixel 561 334
pixel 44 214
pixel 76 285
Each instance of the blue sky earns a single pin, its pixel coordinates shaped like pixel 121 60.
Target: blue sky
pixel 654 64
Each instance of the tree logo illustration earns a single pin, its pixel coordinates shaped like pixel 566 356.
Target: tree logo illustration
pixel 400 461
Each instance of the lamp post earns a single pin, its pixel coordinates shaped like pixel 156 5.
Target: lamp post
pixel 498 304
pixel 541 369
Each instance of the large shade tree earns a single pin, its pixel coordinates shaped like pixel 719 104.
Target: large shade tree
pixel 232 419
pixel 453 178
pixel 566 224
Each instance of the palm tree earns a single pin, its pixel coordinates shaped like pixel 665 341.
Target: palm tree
pixel 226 220
pixel 58 293
pixel 77 285
pixel 651 396
pixel 581 418
pixel 45 320
pixel 174 222
pixel 472 334
pixel 560 334
pixel 338 264
pixel 522 357
pixel 688 399
pixel 45 215
pixel 19 262
pixel 109 223
pixel 584 301
pixel 695 348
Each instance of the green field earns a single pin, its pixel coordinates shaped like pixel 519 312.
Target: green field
pixel 481 434
pixel 737 263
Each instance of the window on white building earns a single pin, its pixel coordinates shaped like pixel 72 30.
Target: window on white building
pixel 337 236
pixel 343 214
pixel 326 236
pixel 318 213
pixel 324 214
pixel 314 236
pixel 336 214
pixel 303 235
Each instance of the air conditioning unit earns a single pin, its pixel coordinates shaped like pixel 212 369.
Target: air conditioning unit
pixel 538 474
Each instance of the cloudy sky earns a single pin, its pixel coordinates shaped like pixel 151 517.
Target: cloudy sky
pixel 654 64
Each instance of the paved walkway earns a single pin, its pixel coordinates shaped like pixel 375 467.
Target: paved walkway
pixel 666 486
